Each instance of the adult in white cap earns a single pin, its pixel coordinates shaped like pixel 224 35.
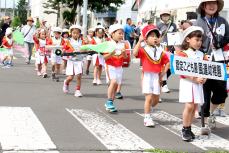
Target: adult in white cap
pixel 28 32
pixel 216 36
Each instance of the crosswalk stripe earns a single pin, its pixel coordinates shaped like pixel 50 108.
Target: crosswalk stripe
pixel 113 135
pixel 223 120
pixel 203 142
pixel 22 132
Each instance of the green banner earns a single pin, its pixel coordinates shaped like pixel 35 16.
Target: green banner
pixel 105 47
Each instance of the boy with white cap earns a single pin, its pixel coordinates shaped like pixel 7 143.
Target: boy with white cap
pixel 153 60
pixel 56 60
pixel 114 62
pixel 216 36
pixel 7 43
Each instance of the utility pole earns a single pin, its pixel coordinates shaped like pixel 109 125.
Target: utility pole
pixel 85 4
pixel 13 8
pixel 5 7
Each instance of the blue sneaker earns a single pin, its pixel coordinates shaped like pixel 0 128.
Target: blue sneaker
pixel 109 105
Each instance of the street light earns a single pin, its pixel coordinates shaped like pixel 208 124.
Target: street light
pixel 85 4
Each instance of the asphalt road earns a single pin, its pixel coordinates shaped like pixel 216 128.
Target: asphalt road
pixel 32 107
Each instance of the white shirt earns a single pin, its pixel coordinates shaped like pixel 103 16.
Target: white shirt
pixel 29 36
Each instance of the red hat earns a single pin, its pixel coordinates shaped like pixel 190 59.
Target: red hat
pixel 147 29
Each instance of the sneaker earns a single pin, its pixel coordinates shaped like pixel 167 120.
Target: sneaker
pixel 211 121
pixel 148 122
pixel 65 87
pixel 118 95
pixel 197 116
pixel 99 82
pixel 192 134
pixel 87 72
pixel 186 134
pixel 222 113
pixel 94 82
pixel 39 73
pixel 216 112
pixel 109 105
pixel 45 75
pixel 160 100
pixel 165 89
pixel 78 93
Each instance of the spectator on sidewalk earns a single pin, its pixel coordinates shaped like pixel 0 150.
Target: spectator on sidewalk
pixel 28 32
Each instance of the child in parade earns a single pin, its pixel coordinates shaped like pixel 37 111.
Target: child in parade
pixel 89 57
pixel 216 36
pixel 42 55
pixel 74 64
pixel 7 43
pixel 98 60
pixel 153 61
pixel 191 88
pixel 114 62
pixel 65 36
pixel 56 60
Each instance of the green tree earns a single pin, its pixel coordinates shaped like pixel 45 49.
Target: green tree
pixel 93 5
pixel 16 22
pixel 20 9
pixel 53 7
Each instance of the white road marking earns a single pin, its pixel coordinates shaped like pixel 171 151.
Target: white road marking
pixel 114 136
pixel 22 132
pixel 223 120
pixel 203 142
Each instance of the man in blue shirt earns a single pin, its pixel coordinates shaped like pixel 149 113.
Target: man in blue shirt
pixel 129 31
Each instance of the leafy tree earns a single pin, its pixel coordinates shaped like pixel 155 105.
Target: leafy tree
pixel 104 5
pixel 93 5
pixel 20 9
pixel 16 22
pixel 38 24
pixel 53 7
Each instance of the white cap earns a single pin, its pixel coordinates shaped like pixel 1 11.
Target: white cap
pixel 75 27
pixel 190 30
pixel 9 31
pixel 115 27
pixel 165 12
pixel 57 29
pixel 65 30
pixel 99 27
pixel 91 29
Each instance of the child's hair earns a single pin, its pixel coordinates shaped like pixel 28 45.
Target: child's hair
pixel 185 44
pixel 41 30
pixel 153 31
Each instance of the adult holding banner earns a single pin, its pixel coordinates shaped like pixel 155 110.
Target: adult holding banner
pixel 28 32
pixel 216 35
